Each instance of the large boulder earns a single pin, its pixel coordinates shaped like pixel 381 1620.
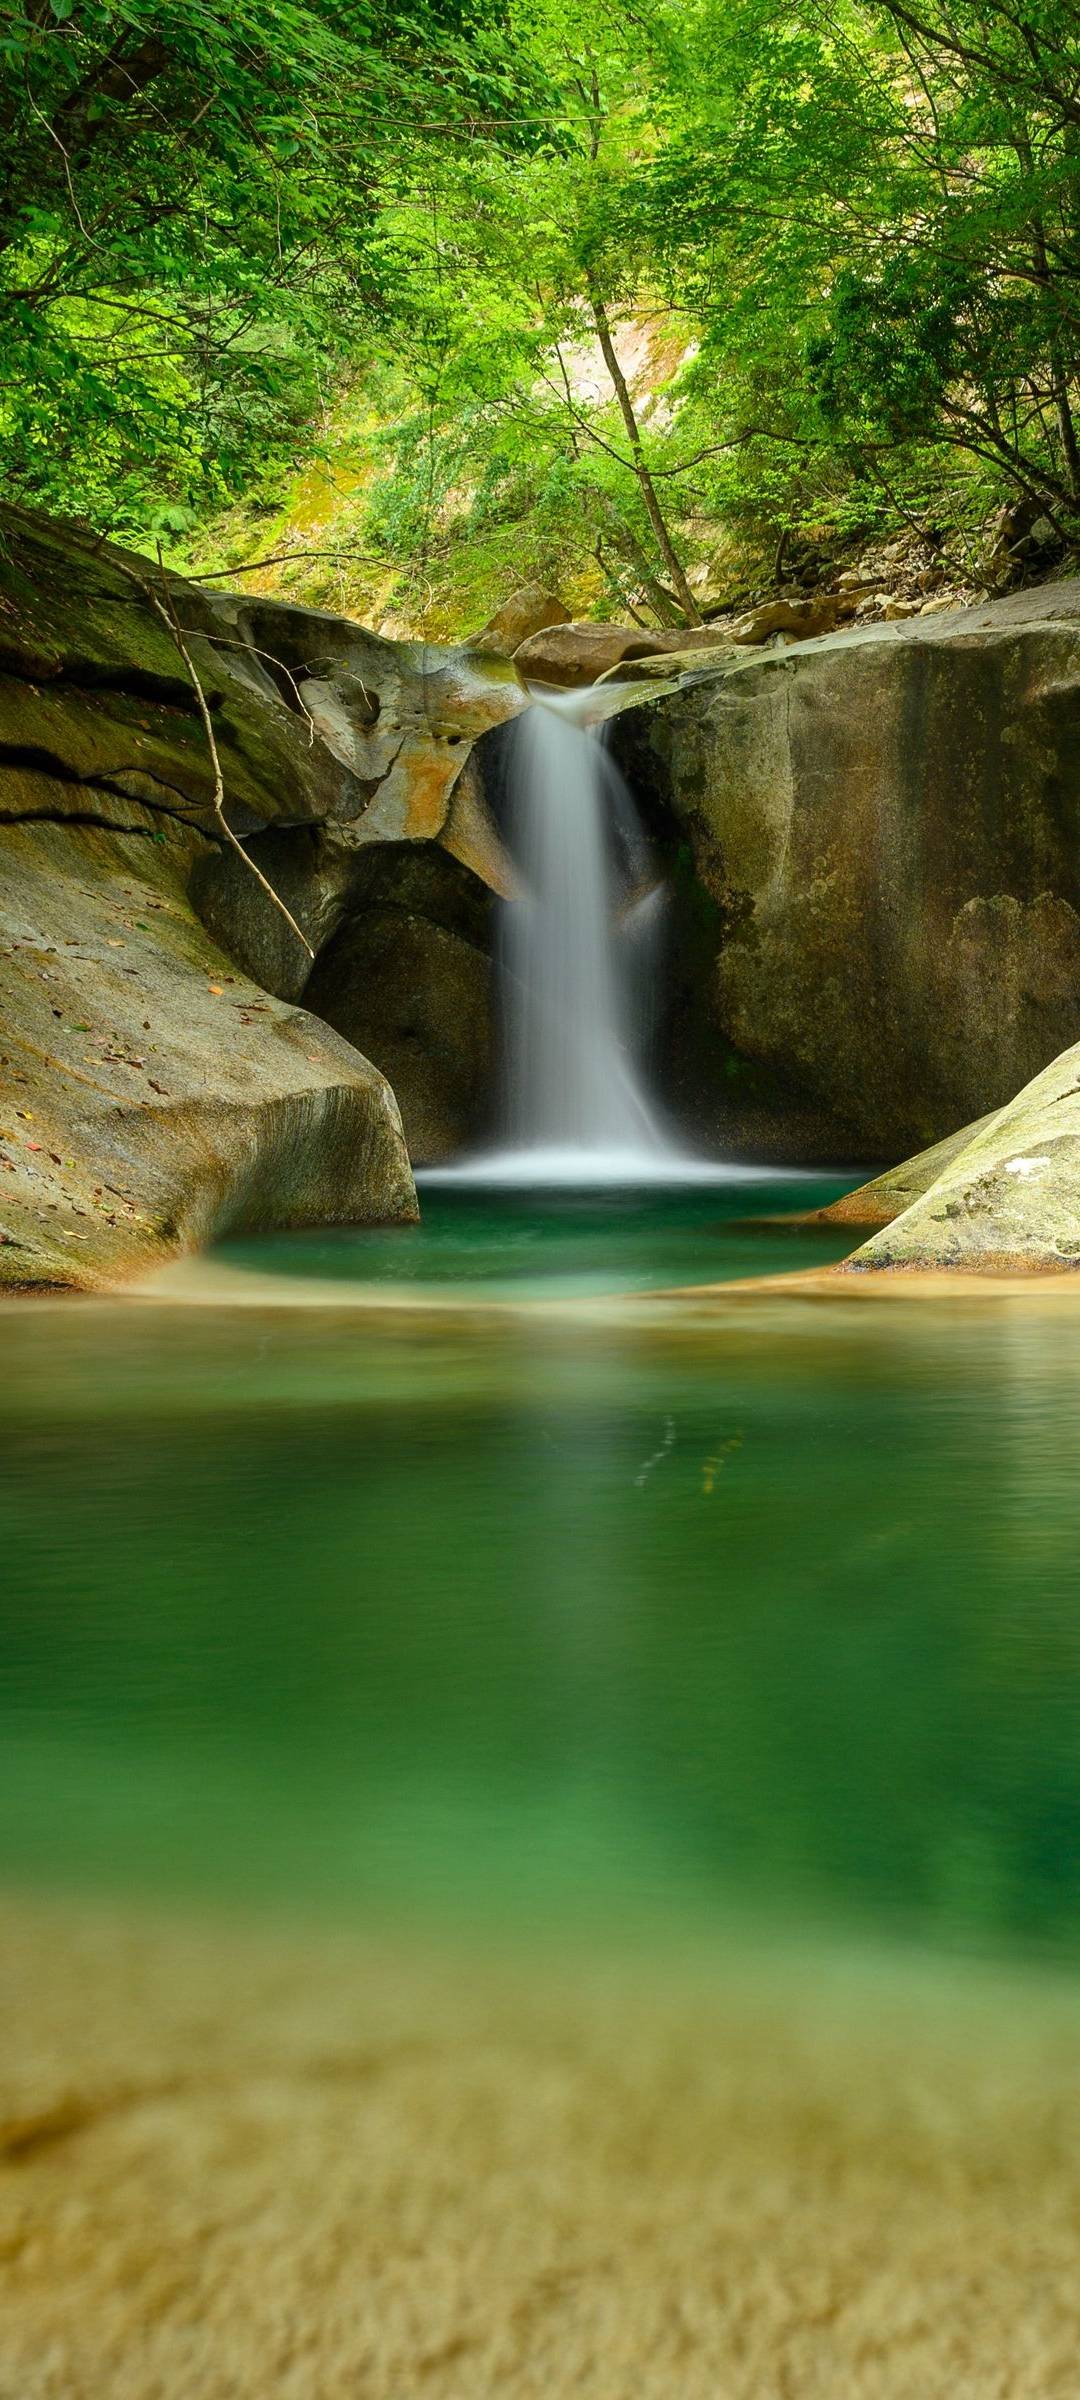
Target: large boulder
pixel 569 656
pixel 887 822
pixel 152 1096
pixel 800 620
pixel 529 610
pixel 1007 1200
pixel 158 1081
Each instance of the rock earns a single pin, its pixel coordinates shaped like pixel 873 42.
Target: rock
pixel 669 665
pixel 894 610
pixel 309 870
pixel 407 980
pixel 1007 1200
pixel 528 611
pixel 802 618
pixel 575 654
pixel 1018 533
pixel 569 655
pixel 152 1096
pixel 226 1107
pixel 885 822
pixel 943 606
pixel 470 837
pixel 877 1203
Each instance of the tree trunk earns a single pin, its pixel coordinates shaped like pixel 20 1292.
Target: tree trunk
pixel 663 603
pixel 1059 381
pixel 647 488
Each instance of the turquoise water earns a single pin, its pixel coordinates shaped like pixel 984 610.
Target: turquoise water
pixel 500 1243
pixel 769 1611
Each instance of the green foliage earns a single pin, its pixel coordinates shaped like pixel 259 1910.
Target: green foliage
pixel 195 227
pixel 836 244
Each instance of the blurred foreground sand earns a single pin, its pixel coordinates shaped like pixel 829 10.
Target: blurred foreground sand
pixel 239 2165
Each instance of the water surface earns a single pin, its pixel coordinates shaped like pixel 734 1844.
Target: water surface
pixel 770 1617
pixel 557 1244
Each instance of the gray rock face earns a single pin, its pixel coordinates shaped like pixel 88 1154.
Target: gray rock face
pixel 888 824
pixel 407 980
pixel 157 1082
pixel 1008 1200
pixel 151 1096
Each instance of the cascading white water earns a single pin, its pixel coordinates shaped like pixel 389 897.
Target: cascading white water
pixel 574 1101
pixel 579 967
pixel 579 964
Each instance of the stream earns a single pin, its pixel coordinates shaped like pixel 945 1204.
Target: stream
pixel 763 1617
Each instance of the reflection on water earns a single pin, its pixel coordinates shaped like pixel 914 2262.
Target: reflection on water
pixel 776 1614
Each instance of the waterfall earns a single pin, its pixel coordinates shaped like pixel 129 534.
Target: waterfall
pixel 574 1102
pixel 580 956
pixel 580 953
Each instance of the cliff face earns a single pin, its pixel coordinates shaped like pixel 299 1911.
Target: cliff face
pixel 158 1081
pixel 875 932
pixel 887 824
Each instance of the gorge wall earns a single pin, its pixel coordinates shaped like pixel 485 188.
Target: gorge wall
pixel 159 1083
pixel 870 840
pixel 886 824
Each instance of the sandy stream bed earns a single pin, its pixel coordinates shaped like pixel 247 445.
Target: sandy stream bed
pixel 242 2162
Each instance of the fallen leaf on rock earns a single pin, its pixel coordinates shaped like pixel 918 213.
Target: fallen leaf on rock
pixel 111 944
pixel 216 989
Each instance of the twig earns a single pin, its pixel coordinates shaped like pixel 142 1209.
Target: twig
pixel 282 558
pixel 227 641
pixel 168 615
pixel 87 236
pixel 165 610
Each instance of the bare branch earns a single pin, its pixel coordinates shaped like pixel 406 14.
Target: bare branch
pixel 166 611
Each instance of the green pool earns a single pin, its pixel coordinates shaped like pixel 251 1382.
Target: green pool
pixel 502 1243
pixel 772 1615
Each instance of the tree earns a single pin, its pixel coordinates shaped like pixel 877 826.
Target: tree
pixel 193 214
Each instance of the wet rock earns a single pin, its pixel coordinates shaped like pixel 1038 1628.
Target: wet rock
pixel 885 822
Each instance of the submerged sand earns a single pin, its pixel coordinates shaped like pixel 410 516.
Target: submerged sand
pixel 236 2164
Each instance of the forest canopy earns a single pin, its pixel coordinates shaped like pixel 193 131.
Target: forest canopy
pixel 637 300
